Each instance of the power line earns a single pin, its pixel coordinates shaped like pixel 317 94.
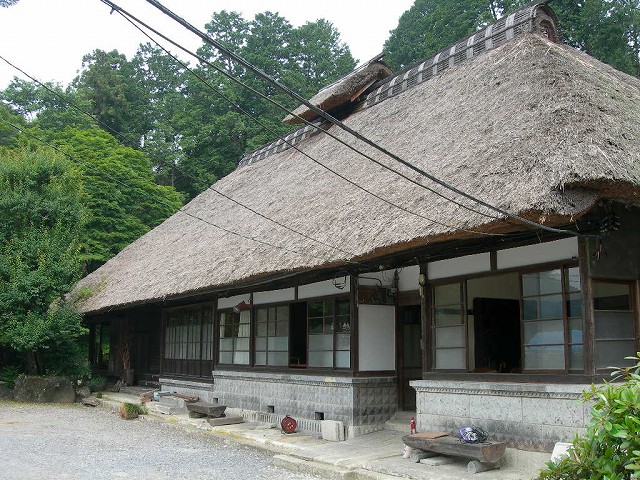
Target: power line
pixel 181 210
pixel 128 16
pixel 132 19
pixel 230 54
pixel 119 134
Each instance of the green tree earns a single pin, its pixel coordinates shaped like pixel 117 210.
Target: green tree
pixel 39 260
pixel 607 29
pixel 109 82
pixel 120 194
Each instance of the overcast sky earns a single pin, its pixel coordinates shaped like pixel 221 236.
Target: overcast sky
pixel 47 38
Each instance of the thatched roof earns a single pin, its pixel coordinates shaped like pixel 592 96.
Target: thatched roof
pixel 345 90
pixel 533 127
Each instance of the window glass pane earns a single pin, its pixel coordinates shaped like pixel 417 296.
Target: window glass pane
pixel 611 296
pixel 271 328
pixel 314 309
pixel 320 342
pixel 226 344
pixel 261 329
pixel 544 358
pixel 573 280
pixel 576 357
pixel 614 324
pixel 343 324
pixel 282 328
pixel 544 333
pixel 244 330
pixel 279 359
pixel 343 307
pixel 530 307
pixel 343 359
pixel 612 353
pixel 575 329
pixel 328 307
pixel 261 358
pixel 245 316
pixel 450 337
pixel 315 325
pixel 542 283
pixel 446 294
pixel 343 342
pixel 241 358
pixel 261 315
pixel 321 359
pixel 242 344
pixel 283 313
pixel 261 343
pixel 574 305
pixel 328 325
pixel 551 306
pixel 226 357
pixel 445 316
pixel 280 344
pixel 451 358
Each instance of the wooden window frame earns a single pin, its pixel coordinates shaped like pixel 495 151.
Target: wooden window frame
pixel 462 281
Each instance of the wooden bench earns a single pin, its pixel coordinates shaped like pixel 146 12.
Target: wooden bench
pixel 203 409
pixel 484 455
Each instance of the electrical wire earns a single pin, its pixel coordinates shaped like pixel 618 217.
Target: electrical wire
pixel 181 210
pixel 120 135
pixel 233 56
pixel 222 71
pixel 133 20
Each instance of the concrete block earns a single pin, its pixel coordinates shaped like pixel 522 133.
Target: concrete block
pixel 170 401
pixel 561 449
pixel 437 461
pixel 332 430
pixel 217 422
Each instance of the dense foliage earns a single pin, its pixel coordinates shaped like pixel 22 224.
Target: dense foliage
pixel 607 29
pixel 42 215
pixel 610 449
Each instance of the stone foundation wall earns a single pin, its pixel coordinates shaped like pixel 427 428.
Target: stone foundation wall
pixel 529 416
pixel 362 404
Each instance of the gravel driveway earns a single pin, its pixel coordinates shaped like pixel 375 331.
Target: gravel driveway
pixel 74 442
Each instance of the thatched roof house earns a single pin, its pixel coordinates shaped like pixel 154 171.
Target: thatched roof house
pixel 336 288
pixel 534 127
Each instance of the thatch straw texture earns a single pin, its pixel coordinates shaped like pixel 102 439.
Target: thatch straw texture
pixel 342 91
pixel 533 127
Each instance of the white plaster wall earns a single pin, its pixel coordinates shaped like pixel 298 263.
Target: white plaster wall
pixel 230 302
pixel 377 337
pixel 274 296
pixel 386 277
pixel 557 250
pixel 320 289
pixel 408 278
pixel 454 267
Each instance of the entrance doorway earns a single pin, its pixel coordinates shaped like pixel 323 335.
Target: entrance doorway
pixel 409 361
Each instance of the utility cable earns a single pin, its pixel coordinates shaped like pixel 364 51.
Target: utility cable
pixel 222 71
pixel 233 56
pixel 122 136
pixel 162 202
pixel 132 19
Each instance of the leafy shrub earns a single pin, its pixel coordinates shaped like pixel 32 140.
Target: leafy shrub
pixel 9 374
pixel 610 448
pixel 97 383
pixel 129 411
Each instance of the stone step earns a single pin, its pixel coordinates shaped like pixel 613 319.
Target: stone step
pixel 172 401
pixel 157 407
pixel 400 422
